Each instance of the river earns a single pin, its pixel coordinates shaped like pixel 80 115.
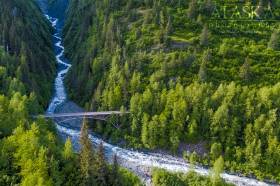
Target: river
pixel 141 163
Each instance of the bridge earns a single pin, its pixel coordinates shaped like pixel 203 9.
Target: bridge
pixel 94 115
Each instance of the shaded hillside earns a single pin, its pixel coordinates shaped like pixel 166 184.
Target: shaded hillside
pixel 25 40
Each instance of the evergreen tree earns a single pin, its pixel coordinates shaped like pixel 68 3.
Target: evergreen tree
pixel 193 158
pixel 101 168
pixel 86 156
pixel 135 83
pixel 274 42
pixel 193 130
pixel 206 57
pixel 115 172
pixel 245 70
pixel 145 137
pixel 217 170
pixel 204 36
pixel 202 74
pixel 192 10
pixel 68 150
pixel 216 151
pixel 169 26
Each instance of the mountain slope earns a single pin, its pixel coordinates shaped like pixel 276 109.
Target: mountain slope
pixel 26 70
pixel 31 152
pixel 184 80
pixel 25 36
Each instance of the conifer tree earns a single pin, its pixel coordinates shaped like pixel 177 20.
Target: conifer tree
pixel 169 27
pixel 68 150
pixel 206 56
pixel 274 42
pixel 245 70
pixel 217 170
pixel 192 10
pixel 202 74
pixel 145 137
pixel 86 156
pixel 204 36
pixel 216 150
pixel 101 167
pixel 115 172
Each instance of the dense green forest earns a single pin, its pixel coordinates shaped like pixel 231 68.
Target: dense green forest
pixel 164 178
pixel 26 54
pixel 183 79
pixel 31 154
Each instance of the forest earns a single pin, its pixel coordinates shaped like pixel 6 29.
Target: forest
pixel 31 152
pixel 164 178
pixel 184 80
pixel 26 54
pixel 186 74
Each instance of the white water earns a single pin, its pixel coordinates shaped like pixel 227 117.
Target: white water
pixel 139 162
pixel 60 95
